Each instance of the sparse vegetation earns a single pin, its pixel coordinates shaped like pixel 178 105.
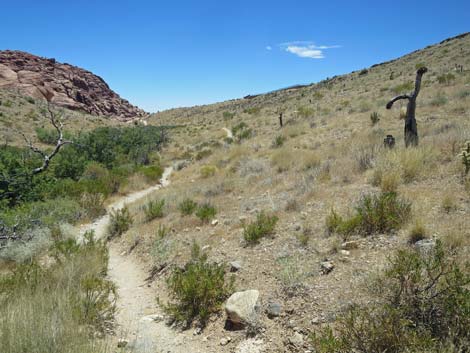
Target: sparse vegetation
pixel 206 212
pixel 119 222
pixel 380 213
pixel 58 308
pixel 421 306
pixel 154 209
pixel 187 207
pixel 263 226
pixel 198 290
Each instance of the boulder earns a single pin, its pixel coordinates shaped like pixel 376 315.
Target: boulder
pixel 243 308
pixel 65 85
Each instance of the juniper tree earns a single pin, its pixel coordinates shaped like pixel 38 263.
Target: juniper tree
pixel 411 128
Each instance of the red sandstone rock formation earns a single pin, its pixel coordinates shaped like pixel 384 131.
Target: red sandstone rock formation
pixel 62 84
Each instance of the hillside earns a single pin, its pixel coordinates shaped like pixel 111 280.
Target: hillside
pixel 327 157
pixel 335 243
pixel 62 84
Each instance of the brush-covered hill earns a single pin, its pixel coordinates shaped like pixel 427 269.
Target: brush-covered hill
pixel 63 85
pixel 344 203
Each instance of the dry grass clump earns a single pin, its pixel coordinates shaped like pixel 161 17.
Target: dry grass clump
pixel 405 164
pixel 59 308
pixel 417 232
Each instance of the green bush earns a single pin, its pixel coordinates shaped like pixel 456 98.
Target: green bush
pixel 153 173
pixel 119 222
pixel 92 205
pixel 252 110
pixel 403 87
pixel 153 209
pixel 241 131
pixel 198 290
pixel 228 115
pixel 206 212
pixel 421 303
pixel 263 226
pixel 208 171
pixel 278 141
pixel 380 213
pixel 374 118
pixel 446 78
pixel 187 207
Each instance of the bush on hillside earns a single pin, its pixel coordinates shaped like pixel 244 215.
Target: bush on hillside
pixel 420 304
pixel 198 290
pixel 263 226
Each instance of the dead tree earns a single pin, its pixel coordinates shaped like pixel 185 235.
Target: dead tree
pixel 411 128
pixel 55 119
pixel 280 119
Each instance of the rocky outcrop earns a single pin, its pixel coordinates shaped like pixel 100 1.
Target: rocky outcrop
pixel 63 85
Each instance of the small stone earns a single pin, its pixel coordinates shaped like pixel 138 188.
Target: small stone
pixel 235 266
pixel 206 247
pixel 224 341
pixel 273 309
pixel 345 252
pixel 297 227
pixel 215 222
pixel 297 340
pixel 326 267
pixel 153 317
pixel 122 343
pixel 197 331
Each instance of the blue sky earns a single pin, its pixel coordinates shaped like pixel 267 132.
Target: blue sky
pixel 163 54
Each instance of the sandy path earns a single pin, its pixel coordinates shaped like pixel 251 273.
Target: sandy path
pixel 138 317
pixel 228 132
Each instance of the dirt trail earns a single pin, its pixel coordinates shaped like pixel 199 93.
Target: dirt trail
pixel 138 317
pixel 228 132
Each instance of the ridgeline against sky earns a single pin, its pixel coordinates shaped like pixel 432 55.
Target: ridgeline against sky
pixel 167 54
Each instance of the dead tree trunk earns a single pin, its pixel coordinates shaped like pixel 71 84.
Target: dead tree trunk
pixel 411 128
pixel 280 119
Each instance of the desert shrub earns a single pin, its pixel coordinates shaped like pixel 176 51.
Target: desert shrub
pixel 198 290
pixel 291 274
pixel 305 112
pixel 448 203
pixel 446 78
pixel 365 157
pixel 278 141
pixel 119 222
pixel 263 226
pixel 161 245
pixel 206 212
pixel 465 157
pixel 380 213
pixel 403 87
pixel 153 173
pixel 92 205
pixel 241 132
pixel 187 207
pixel 208 171
pixel 420 65
pixel 252 110
pixel 283 159
pixel 228 115
pixel 421 304
pixel 203 153
pixel 374 118
pixel 417 232
pixel 153 209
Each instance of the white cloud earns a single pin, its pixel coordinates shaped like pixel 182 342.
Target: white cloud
pixel 268 47
pixel 305 49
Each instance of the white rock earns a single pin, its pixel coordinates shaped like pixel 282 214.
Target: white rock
pixel 243 307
